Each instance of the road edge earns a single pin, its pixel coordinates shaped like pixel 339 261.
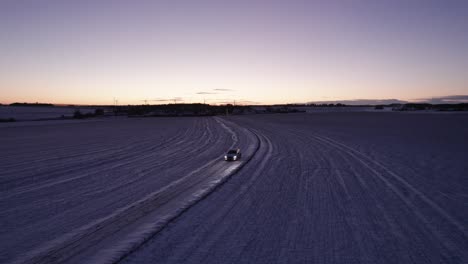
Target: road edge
pixel 192 203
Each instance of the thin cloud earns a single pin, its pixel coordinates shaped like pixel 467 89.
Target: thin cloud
pixel 206 93
pixel 157 100
pixel 223 90
pixel 165 99
pixel 226 102
pixel 234 102
pixel 223 100
pixel 247 102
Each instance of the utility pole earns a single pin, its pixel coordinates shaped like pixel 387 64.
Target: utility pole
pixel 115 106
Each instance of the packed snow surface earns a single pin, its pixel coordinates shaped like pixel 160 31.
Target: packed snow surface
pixel 83 192
pixel 343 187
pixel 333 188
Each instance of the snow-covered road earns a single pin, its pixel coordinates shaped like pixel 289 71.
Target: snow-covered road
pixel 333 188
pixel 82 192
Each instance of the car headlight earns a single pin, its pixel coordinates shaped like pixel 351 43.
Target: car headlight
pixel 225 157
pixel 235 157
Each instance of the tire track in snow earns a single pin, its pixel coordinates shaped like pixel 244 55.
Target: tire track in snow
pixel 233 134
pixel 355 199
pixel 64 168
pixel 51 212
pixel 264 152
pixel 188 150
pixel 262 224
pixel 102 162
pixel 73 243
pixel 67 212
pixel 194 147
pixel 76 146
pixel 370 165
pixel 348 198
pixel 71 206
pixel 136 143
pixel 195 130
pixel 113 185
pixel 355 153
pixel 373 166
pixel 204 193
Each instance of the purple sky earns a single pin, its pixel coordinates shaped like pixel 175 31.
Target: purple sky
pixel 219 51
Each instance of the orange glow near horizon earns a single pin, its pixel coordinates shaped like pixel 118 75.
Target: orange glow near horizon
pixel 244 51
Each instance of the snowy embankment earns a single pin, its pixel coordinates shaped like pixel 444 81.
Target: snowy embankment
pixel 28 113
pixel 92 192
pixel 333 188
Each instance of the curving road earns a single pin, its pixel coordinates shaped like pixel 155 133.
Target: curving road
pixel 333 188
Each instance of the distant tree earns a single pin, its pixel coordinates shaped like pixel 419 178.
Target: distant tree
pixel 77 114
pixel 11 119
pixel 99 112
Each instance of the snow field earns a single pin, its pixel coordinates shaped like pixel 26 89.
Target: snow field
pixel 66 188
pixel 333 188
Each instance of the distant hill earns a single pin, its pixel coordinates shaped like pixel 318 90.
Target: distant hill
pixel 449 99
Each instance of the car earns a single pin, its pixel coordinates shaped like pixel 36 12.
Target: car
pixel 233 154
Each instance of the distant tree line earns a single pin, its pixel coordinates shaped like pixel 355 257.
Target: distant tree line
pixel 282 109
pixel 399 107
pixel 32 104
pixel 79 115
pixel 329 105
pixel 433 107
pixel 196 109
pixel 314 105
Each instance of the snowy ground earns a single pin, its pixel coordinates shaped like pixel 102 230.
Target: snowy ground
pixel 334 188
pixel 82 192
pixel 24 113
pixel 320 188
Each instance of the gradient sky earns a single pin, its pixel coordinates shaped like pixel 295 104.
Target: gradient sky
pixel 89 52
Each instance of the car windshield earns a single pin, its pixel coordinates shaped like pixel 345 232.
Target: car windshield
pixel 232 151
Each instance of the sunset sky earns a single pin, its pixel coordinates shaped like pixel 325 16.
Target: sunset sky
pixel 255 51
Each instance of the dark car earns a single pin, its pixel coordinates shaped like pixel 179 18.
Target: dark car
pixel 233 154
